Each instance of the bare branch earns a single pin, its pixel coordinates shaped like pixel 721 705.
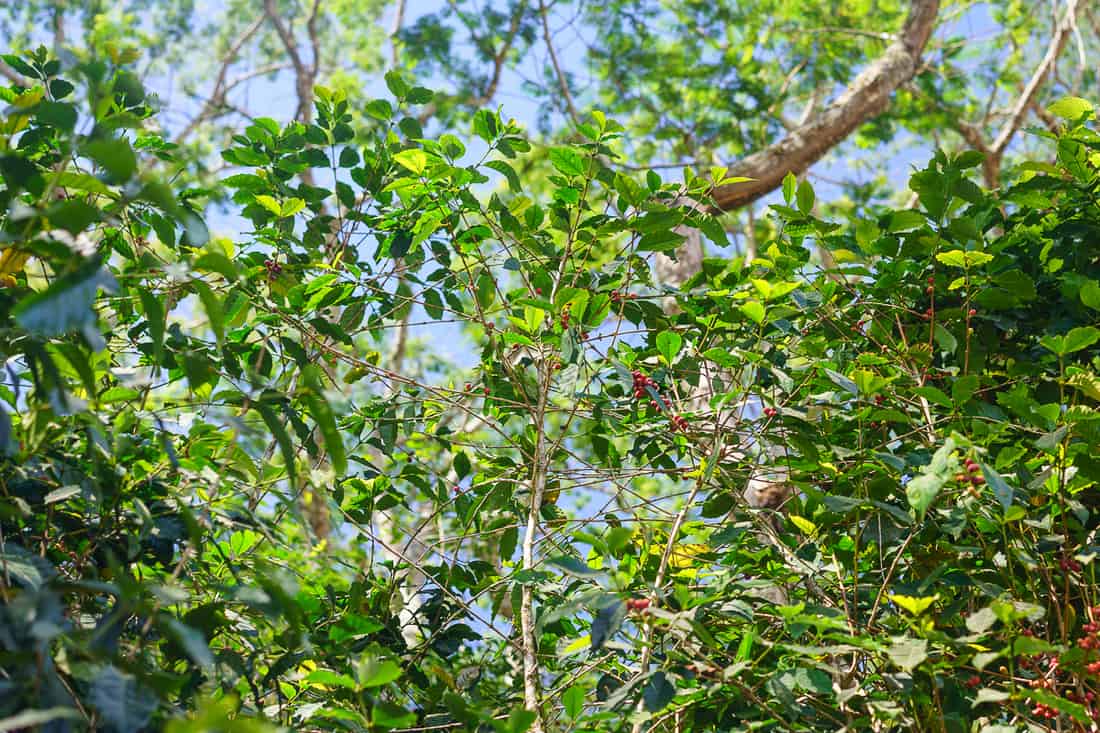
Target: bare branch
pixel 398 20
pixel 1019 111
pixel 216 100
pixel 498 59
pixel 12 75
pixel 562 82
pixel 303 75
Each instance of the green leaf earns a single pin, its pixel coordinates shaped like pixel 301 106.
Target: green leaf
pixel 903 221
pixel 1090 294
pixel 1059 703
pixel 907 653
pixel 963 388
pixel 328 678
pixel 669 344
pixel 922 490
pixel 29 569
pixel 842 381
pixel 754 309
pixel 415 159
pixel 1081 338
pixel 213 307
pixel 73 215
pixel 915 606
pixel 1071 108
pixel 981 621
pixel 1001 489
pixel 374 672
pixel 116 157
pixel 278 430
pixel 790 183
pixel 658 692
pixel 608 621
pixel 805 197
pixel 67 304
pixel 946 340
pixel 573 566
pixel 325 418
pixel 396 83
pixel 190 640
pixel 290 207
pixel 155 317
pixel 270 203
pixel 567 161
pixel 122 702
pixel 61 494
pixel 1077 339
pixel 573 701
pixel 385 715
pixel 965 259
pixel 508 172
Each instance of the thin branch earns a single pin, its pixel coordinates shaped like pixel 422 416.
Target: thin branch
pixel 395 30
pixel 216 100
pixel 562 82
pixel 303 76
pixel 1019 111
pixel 12 75
pixel 498 59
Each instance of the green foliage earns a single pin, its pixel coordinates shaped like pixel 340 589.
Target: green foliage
pixel 234 496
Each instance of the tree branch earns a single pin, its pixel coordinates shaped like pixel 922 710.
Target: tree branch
pixel 395 30
pixel 217 96
pixel 1057 42
pixel 303 76
pixel 12 75
pixel 866 97
pixel 562 82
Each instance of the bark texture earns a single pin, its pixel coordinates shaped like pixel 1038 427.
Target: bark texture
pixel 867 96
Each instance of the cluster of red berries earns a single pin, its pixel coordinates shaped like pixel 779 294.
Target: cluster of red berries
pixel 274 269
pixel 484 390
pixel 770 412
pixel 637 604
pixel 973 473
pixel 565 316
pixel 931 286
pixel 972 479
pixel 641 381
pixel 1048 674
pixel 1069 565
pixel 927 315
pixel 1042 710
pixel 618 297
pixel 879 399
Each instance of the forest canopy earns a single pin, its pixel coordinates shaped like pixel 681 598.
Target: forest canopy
pixel 746 378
